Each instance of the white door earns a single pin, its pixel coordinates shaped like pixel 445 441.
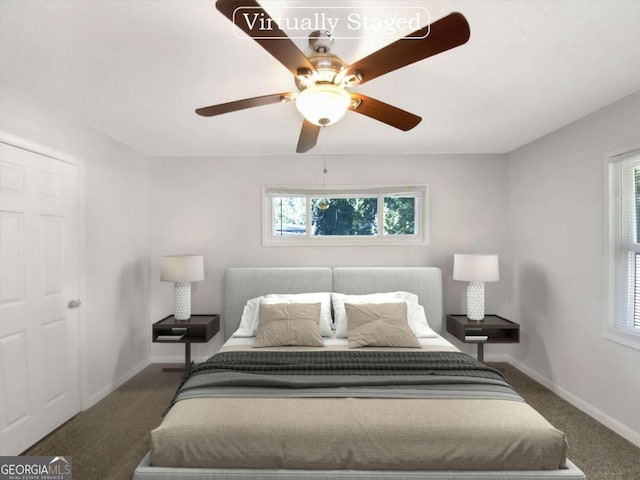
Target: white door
pixel 39 377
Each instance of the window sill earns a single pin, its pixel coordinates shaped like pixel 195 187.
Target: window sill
pixel 623 337
pixel 341 242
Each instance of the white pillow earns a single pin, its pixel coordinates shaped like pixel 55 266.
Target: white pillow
pixel 249 321
pixel 415 312
pixel 418 322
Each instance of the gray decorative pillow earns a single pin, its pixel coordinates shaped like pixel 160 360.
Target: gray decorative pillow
pixel 289 324
pixel 379 325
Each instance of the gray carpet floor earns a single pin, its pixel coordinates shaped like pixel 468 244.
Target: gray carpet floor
pixel 107 441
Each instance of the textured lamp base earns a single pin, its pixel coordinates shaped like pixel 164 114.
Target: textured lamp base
pixel 475 300
pixel 183 301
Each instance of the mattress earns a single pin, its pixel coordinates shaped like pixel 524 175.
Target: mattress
pixel 352 433
pixel 436 343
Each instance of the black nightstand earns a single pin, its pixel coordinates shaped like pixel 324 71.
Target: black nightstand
pixel 198 329
pixel 493 329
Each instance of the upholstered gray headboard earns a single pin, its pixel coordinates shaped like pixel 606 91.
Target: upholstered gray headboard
pixel 426 282
pixel 242 284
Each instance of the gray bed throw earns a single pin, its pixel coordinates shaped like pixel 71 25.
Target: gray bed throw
pixel 390 374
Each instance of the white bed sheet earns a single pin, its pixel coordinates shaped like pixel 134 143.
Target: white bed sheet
pixel 340 342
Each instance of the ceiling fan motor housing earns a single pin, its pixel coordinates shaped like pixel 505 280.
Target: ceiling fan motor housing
pixel 327 65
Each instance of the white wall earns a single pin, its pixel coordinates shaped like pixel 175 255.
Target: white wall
pixel 557 224
pixel 213 206
pixel 115 313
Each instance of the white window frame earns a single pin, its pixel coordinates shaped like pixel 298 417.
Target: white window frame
pixel 621 243
pixel 420 192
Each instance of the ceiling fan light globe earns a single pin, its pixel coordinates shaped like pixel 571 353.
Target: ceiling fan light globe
pixel 323 104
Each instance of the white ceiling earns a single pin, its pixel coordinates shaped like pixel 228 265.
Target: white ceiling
pixel 136 70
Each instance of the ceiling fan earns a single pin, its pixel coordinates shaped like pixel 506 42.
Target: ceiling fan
pixel 325 81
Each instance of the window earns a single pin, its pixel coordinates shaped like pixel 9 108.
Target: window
pixel 624 178
pixel 344 215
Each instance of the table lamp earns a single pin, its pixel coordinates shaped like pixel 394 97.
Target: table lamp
pixel 182 269
pixel 475 269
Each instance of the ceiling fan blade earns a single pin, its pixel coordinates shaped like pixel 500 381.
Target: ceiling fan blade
pixel 383 112
pixel 447 33
pixel 242 104
pixel 308 136
pixel 249 16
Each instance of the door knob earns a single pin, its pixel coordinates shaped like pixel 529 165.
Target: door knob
pixel 74 303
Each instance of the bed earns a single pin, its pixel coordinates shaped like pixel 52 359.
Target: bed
pixel 422 434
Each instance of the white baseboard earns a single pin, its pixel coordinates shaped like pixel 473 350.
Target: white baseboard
pixel 599 415
pixel 103 392
pixel 498 357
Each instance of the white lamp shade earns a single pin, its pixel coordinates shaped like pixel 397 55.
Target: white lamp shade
pixel 182 268
pixel 476 268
